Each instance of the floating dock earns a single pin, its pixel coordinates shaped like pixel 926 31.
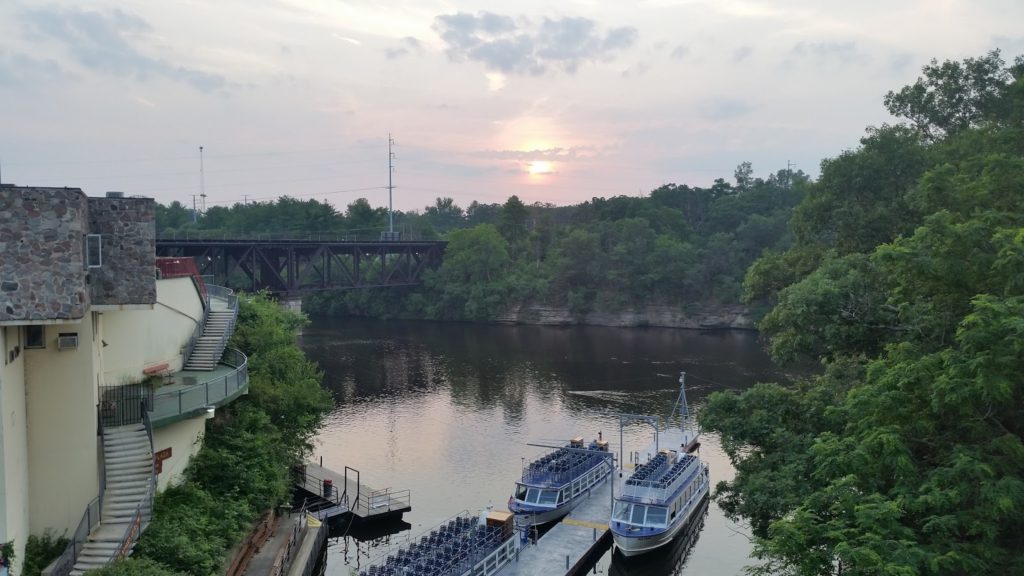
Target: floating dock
pixel 331 494
pixel 573 543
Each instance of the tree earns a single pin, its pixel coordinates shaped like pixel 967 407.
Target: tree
pixel 954 96
pixel 512 222
pixel 444 214
pixel 907 451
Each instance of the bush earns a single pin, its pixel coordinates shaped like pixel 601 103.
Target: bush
pixel 40 551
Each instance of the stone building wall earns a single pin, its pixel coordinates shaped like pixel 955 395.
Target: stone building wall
pixel 42 233
pixel 128 228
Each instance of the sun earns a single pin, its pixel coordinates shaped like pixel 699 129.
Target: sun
pixel 540 168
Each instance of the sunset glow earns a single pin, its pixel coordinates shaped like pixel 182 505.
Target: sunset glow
pixel 540 168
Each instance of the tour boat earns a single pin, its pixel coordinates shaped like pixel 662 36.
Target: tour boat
pixel 463 546
pixel 662 495
pixel 552 485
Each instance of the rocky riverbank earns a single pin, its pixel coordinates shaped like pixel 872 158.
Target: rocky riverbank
pixel 730 316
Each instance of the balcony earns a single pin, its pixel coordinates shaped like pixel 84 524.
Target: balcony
pixel 190 393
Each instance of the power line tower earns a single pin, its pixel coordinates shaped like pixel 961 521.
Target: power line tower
pixel 202 180
pixel 391 170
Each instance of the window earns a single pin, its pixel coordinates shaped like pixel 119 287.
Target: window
pixel 621 512
pixel 656 516
pixel 35 337
pixel 93 250
pixel 548 497
pixel 638 515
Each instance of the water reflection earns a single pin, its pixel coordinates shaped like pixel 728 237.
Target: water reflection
pixel 447 410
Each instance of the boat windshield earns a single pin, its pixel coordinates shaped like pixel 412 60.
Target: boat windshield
pixel 532 495
pixel 639 514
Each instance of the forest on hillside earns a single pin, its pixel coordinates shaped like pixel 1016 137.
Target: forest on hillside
pixel 905 279
pixel 680 245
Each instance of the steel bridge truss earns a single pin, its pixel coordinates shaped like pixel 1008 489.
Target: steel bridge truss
pixel 301 267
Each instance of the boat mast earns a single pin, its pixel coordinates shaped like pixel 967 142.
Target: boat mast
pixel 684 409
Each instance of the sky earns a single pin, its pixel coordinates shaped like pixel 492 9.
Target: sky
pixel 556 102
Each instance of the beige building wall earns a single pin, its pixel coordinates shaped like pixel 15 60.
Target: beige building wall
pixel 139 339
pixel 183 439
pixel 14 485
pixel 63 448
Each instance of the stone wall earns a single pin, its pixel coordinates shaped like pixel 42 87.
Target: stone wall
pixel 42 263
pixel 128 228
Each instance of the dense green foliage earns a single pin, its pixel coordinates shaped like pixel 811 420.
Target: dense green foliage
pixel 680 246
pixel 135 567
pixel 905 455
pixel 248 450
pixel 40 551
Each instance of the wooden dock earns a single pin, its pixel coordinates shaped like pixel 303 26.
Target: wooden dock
pixel 571 544
pixel 333 494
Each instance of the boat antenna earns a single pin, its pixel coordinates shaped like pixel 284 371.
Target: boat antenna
pixel 681 405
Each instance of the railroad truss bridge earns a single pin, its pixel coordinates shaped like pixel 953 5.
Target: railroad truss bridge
pixel 291 268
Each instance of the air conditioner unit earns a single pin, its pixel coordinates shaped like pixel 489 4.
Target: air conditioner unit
pixel 67 341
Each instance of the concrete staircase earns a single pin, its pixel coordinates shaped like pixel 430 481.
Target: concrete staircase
pixel 210 345
pixel 128 456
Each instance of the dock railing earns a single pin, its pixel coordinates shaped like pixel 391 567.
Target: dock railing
pixel 384 500
pixel 313 483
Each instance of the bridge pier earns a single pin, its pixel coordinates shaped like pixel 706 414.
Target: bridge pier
pixel 291 303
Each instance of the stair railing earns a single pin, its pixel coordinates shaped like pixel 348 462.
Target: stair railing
pixel 232 301
pixel 144 509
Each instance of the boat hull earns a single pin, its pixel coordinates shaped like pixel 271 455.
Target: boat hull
pixel 539 518
pixel 630 546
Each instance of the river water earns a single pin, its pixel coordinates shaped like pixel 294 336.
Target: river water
pixel 447 410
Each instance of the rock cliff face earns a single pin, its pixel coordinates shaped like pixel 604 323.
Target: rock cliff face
pixel 734 316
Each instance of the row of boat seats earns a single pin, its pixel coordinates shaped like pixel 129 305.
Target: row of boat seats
pixel 560 461
pixel 676 471
pixel 648 470
pixel 462 541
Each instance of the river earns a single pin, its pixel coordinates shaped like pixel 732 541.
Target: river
pixel 447 410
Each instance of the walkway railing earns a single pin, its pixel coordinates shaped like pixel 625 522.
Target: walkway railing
pixel 203 395
pixel 231 299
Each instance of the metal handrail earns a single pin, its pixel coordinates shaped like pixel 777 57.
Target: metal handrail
pixel 384 498
pixel 205 394
pixel 232 301
pixel 64 563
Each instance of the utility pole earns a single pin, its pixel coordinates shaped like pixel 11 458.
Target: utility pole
pixel 202 179
pixel 245 199
pixel 195 216
pixel 391 169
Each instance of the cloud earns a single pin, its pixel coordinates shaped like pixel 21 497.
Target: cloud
pixel 723 108
pixel 19 69
pixel 742 53
pixel 841 53
pixel 638 69
pixel 348 39
pixel 408 46
pixel 545 154
pixel 524 47
pixel 100 42
pixel 680 52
